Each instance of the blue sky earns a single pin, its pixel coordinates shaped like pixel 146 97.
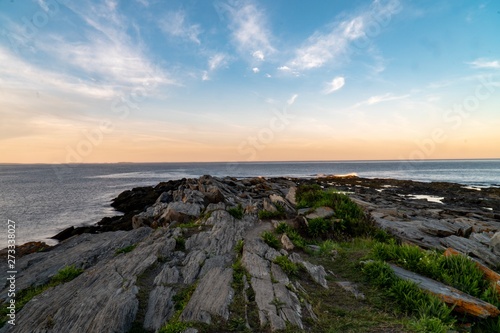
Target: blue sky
pixel 145 80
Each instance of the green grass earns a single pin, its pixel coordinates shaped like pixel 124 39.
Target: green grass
pixel 353 221
pixel 271 240
pixel 238 248
pixel 174 326
pixel 180 243
pixel 125 249
pixel 457 271
pixel 188 225
pixel 289 267
pixel 182 297
pixel 297 240
pixel 320 228
pixel 236 212
pixel 432 314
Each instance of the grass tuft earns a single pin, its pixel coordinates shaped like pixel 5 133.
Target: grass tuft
pixel 271 240
pixel 125 249
pixel 236 212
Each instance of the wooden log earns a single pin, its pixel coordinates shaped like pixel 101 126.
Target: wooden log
pixel 489 274
pixel 462 302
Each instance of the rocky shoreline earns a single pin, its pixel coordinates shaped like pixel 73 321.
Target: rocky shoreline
pixel 182 234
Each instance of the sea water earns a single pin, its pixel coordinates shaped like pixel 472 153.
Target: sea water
pixel 45 199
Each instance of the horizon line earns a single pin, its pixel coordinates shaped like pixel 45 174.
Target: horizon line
pixel 264 161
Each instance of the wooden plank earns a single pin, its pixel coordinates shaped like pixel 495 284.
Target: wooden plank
pixel 462 302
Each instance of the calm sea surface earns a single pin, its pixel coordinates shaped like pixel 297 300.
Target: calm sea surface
pixel 44 199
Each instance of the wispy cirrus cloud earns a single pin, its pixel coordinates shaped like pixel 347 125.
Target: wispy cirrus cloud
pixel 336 84
pixel 215 62
pixel 482 63
pixel 21 74
pixel 175 24
pixel 106 52
pixel 334 42
pixel 379 99
pixel 249 29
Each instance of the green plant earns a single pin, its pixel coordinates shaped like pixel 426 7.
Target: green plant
pixel 174 326
pixel 319 228
pixel 66 274
pixel 271 240
pixel 236 212
pixel 409 296
pixel 182 297
pixel 180 243
pixel 238 248
pixel 308 195
pixel 188 225
pixel 293 235
pixel 289 267
pixel 327 247
pixel 353 221
pixel 125 249
pixel 431 325
pixel 457 271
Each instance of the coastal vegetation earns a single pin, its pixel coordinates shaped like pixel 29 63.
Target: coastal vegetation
pixel 348 243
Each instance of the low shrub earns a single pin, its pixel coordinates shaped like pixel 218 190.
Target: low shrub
pixel 271 240
pixel 289 267
pixel 236 212
pixel 320 228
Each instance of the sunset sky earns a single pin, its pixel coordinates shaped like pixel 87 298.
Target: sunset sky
pixel 166 81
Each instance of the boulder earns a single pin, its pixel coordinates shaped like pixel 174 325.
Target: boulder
pixel 321 212
pixel 287 243
pixel 291 195
pixel 180 212
pixel 495 243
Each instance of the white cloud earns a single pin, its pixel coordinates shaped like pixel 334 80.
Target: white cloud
pixel 174 24
pixel 205 76
pixel 258 55
pixel 268 75
pixel 336 84
pixel 379 99
pixel 255 70
pixel 284 68
pixel 216 61
pixel 23 75
pixel 326 47
pixel 483 63
pixel 248 26
pixel 101 63
pixel 292 99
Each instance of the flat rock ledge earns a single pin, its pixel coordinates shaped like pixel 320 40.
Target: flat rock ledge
pixel 183 234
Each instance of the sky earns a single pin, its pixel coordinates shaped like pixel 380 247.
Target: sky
pixel 170 81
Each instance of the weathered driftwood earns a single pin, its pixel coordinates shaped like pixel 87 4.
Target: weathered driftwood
pixel 462 302
pixel 489 274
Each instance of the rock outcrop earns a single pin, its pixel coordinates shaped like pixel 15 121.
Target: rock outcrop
pixel 171 256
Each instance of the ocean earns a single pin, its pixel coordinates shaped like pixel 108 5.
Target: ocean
pixel 45 199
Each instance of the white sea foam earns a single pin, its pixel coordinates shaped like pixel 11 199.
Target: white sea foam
pixel 430 198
